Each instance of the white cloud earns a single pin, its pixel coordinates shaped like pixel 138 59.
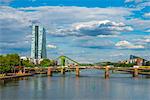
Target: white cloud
pixel 147 15
pixel 107 36
pixel 138 4
pixel 51 46
pixel 136 1
pixel 146 39
pixel 147 30
pixel 144 4
pixel 16 25
pixel 139 24
pixel 56 19
pixel 128 45
pixel 97 28
pixel 5 2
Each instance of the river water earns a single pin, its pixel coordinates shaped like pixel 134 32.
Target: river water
pixel 91 85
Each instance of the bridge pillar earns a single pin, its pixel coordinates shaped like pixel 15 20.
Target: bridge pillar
pixel 49 71
pixel 77 71
pixel 107 72
pixel 135 72
pixel 63 71
pixel 24 70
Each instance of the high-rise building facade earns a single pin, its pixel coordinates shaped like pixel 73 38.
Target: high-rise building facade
pixel 38 46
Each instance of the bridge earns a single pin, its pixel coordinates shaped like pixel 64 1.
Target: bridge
pixel 134 71
pixel 64 66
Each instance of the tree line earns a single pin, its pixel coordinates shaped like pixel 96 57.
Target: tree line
pixel 10 61
pixel 115 64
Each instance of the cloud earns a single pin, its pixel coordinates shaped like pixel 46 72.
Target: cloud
pixel 104 27
pixel 16 22
pixel 51 46
pixel 139 24
pixel 147 40
pixel 107 36
pixel 144 40
pixel 127 45
pixel 136 1
pixel 148 30
pixel 138 4
pixel 15 25
pixel 5 2
pixel 147 15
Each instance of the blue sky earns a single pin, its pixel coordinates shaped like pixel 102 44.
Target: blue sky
pixel 85 30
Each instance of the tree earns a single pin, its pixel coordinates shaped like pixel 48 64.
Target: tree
pixel 27 63
pixel 47 62
pixel 123 65
pixel 4 66
pixel 7 62
pixel 148 63
pixel 13 59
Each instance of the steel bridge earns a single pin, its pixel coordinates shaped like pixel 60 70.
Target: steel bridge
pixel 64 66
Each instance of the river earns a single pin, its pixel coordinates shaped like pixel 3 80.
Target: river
pixel 91 85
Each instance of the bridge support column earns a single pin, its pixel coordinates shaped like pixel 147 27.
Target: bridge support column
pixel 135 72
pixel 24 70
pixel 107 75
pixel 63 71
pixel 77 71
pixel 49 71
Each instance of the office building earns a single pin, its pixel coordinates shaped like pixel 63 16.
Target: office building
pixel 38 45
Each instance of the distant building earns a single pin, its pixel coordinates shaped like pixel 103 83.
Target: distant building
pixel 23 58
pixel 38 46
pixel 134 60
pixel 124 62
pixel 137 60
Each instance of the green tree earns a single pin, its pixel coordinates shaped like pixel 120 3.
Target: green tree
pixel 7 62
pixel 27 63
pixel 47 62
pixel 123 65
pixel 13 59
pixel 148 63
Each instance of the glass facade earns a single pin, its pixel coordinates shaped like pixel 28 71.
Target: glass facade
pixel 38 46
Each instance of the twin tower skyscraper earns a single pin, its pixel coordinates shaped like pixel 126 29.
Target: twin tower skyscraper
pixel 38 44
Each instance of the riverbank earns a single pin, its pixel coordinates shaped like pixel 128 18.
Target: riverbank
pixel 3 77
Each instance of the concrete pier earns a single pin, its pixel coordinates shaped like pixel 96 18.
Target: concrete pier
pixel 107 75
pixel 49 71
pixel 135 72
pixel 77 71
pixel 63 71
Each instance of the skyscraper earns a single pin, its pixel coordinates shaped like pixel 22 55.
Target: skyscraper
pixel 38 46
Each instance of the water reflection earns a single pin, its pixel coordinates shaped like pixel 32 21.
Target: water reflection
pixel 90 86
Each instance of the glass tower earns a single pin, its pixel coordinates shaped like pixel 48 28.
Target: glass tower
pixel 38 46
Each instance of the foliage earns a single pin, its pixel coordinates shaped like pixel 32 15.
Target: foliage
pixel 115 64
pixel 7 62
pixel 86 64
pixel 27 63
pixel 123 65
pixel 47 63
pixel 148 63
pixel 5 69
pixel 104 63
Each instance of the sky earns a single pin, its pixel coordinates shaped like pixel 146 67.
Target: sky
pixel 87 31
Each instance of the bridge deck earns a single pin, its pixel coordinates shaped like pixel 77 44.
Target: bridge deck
pixel 143 71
